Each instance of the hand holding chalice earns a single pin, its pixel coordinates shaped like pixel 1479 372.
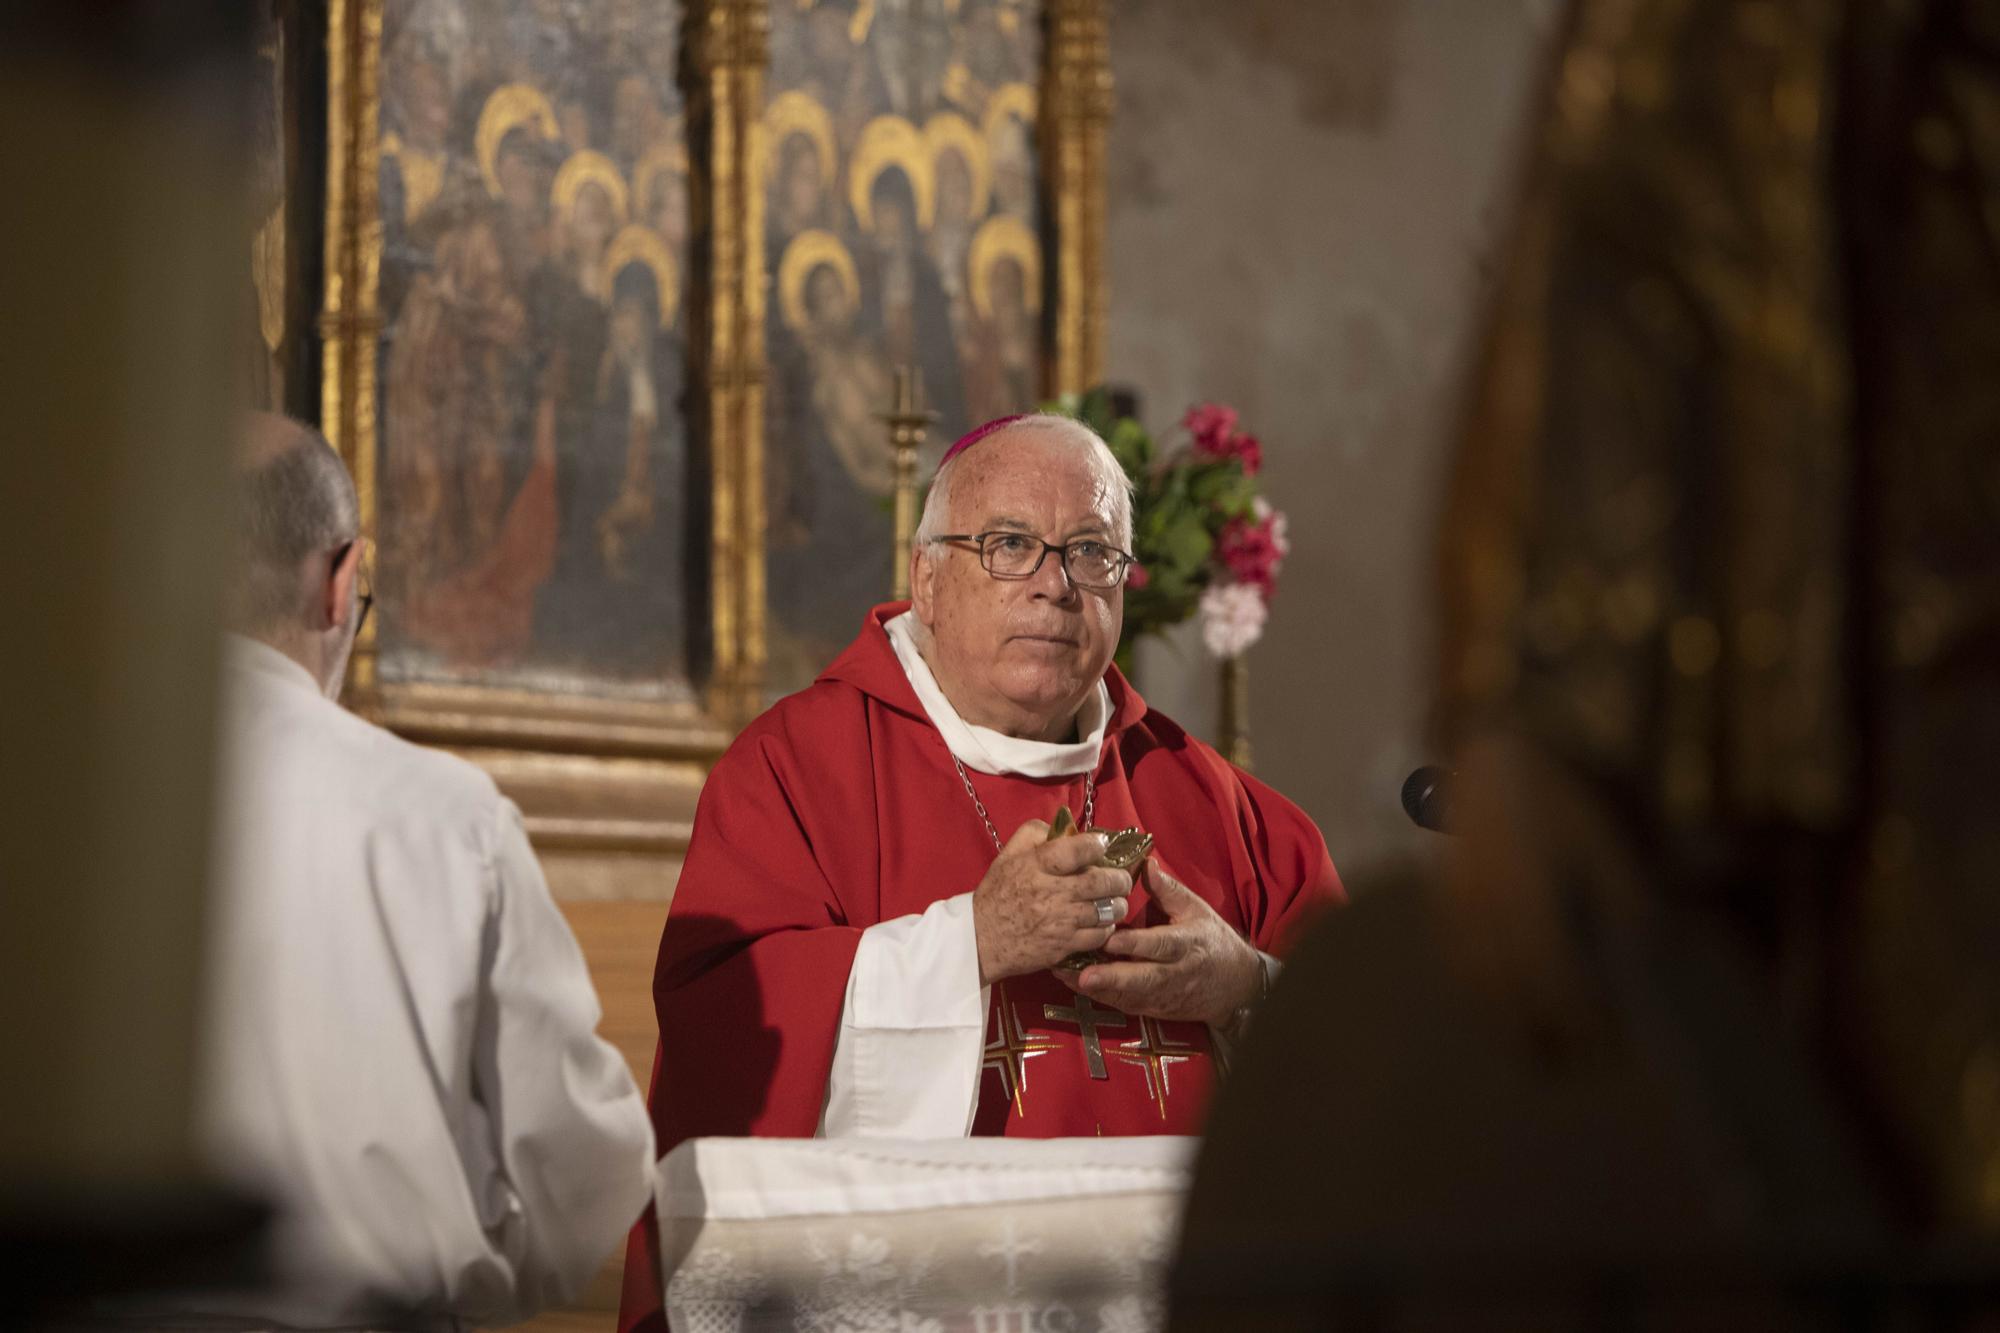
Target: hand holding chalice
pixel 1124 849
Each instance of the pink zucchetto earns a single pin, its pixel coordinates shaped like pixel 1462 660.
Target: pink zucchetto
pixel 970 438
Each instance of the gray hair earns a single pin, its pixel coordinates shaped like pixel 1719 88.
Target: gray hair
pixel 294 503
pixel 937 504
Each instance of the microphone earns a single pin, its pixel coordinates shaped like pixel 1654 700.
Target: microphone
pixel 1427 798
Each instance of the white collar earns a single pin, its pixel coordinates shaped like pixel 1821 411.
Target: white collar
pixel 987 750
pixel 247 654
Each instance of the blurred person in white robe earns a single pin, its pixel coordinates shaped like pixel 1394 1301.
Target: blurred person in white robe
pixel 401 1038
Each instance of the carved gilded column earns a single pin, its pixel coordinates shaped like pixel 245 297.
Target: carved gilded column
pixel 1077 100
pixel 724 77
pixel 350 322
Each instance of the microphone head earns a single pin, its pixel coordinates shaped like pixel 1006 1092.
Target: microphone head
pixel 1425 798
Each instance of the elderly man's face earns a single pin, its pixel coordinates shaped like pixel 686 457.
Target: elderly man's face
pixel 1020 656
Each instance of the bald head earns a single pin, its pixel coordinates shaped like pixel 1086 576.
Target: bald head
pixel 1003 452
pixel 294 502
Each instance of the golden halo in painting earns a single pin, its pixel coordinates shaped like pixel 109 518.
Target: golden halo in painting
pixel 792 113
pixel 999 239
pixel 510 105
pixel 642 245
pixel 664 159
pixel 890 141
pixel 808 251
pixel 949 132
pixel 589 167
pixel 1015 101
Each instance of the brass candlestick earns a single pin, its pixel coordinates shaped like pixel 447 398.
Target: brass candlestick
pixel 907 421
pixel 1233 735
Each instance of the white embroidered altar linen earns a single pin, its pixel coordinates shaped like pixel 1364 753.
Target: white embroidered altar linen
pixel 770 1234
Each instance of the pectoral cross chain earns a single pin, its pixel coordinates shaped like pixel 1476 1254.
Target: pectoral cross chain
pixel 1088 1020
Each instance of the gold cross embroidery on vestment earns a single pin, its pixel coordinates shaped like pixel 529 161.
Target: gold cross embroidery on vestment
pixel 1155 1053
pixel 1012 1047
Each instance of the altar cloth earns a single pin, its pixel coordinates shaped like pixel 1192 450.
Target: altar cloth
pixel 978 1235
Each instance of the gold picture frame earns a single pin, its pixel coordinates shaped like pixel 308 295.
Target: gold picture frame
pixel 604 778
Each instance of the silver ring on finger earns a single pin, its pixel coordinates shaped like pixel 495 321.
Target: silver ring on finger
pixel 1107 911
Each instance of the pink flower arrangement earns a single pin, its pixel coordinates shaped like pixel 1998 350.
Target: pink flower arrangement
pixel 1250 550
pixel 1206 543
pixel 1213 430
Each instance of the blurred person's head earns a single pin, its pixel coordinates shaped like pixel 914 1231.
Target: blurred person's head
pixel 895 209
pixel 1010 294
pixel 801 184
pixel 829 303
pixel 635 308
pixel 592 222
pixel 295 584
pixel 522 166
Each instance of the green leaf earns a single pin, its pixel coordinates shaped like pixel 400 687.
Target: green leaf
pixel 1207 483
pixel 1238 496
pixel 1186 542
pixel 1132 444
pixel 1095 409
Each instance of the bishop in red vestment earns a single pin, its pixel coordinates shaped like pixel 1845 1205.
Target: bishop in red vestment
pixel 869 933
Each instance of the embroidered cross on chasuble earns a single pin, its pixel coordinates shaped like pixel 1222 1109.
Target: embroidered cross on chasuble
pixel 1057 1064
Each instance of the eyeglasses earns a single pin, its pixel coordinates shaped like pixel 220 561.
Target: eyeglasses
pixel 363 583
pixel 1088 563
pixel 367 585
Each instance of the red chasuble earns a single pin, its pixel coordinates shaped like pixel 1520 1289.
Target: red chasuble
pixel 840 808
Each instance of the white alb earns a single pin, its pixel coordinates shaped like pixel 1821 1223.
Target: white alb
pixel 403 1049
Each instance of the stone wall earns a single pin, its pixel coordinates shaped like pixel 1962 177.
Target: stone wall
pixel 1303 195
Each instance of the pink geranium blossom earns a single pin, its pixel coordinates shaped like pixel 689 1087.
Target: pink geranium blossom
pixel 1245 449
pixel 1252 550
pixel 1136 576
pixel 1211 425
pixel 1212 428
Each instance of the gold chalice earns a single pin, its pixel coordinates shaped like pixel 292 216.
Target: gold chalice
pixel 1124 849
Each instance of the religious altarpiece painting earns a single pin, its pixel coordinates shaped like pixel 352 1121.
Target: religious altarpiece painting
pixel 615 294
pixel 902 222
pixel 533 469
